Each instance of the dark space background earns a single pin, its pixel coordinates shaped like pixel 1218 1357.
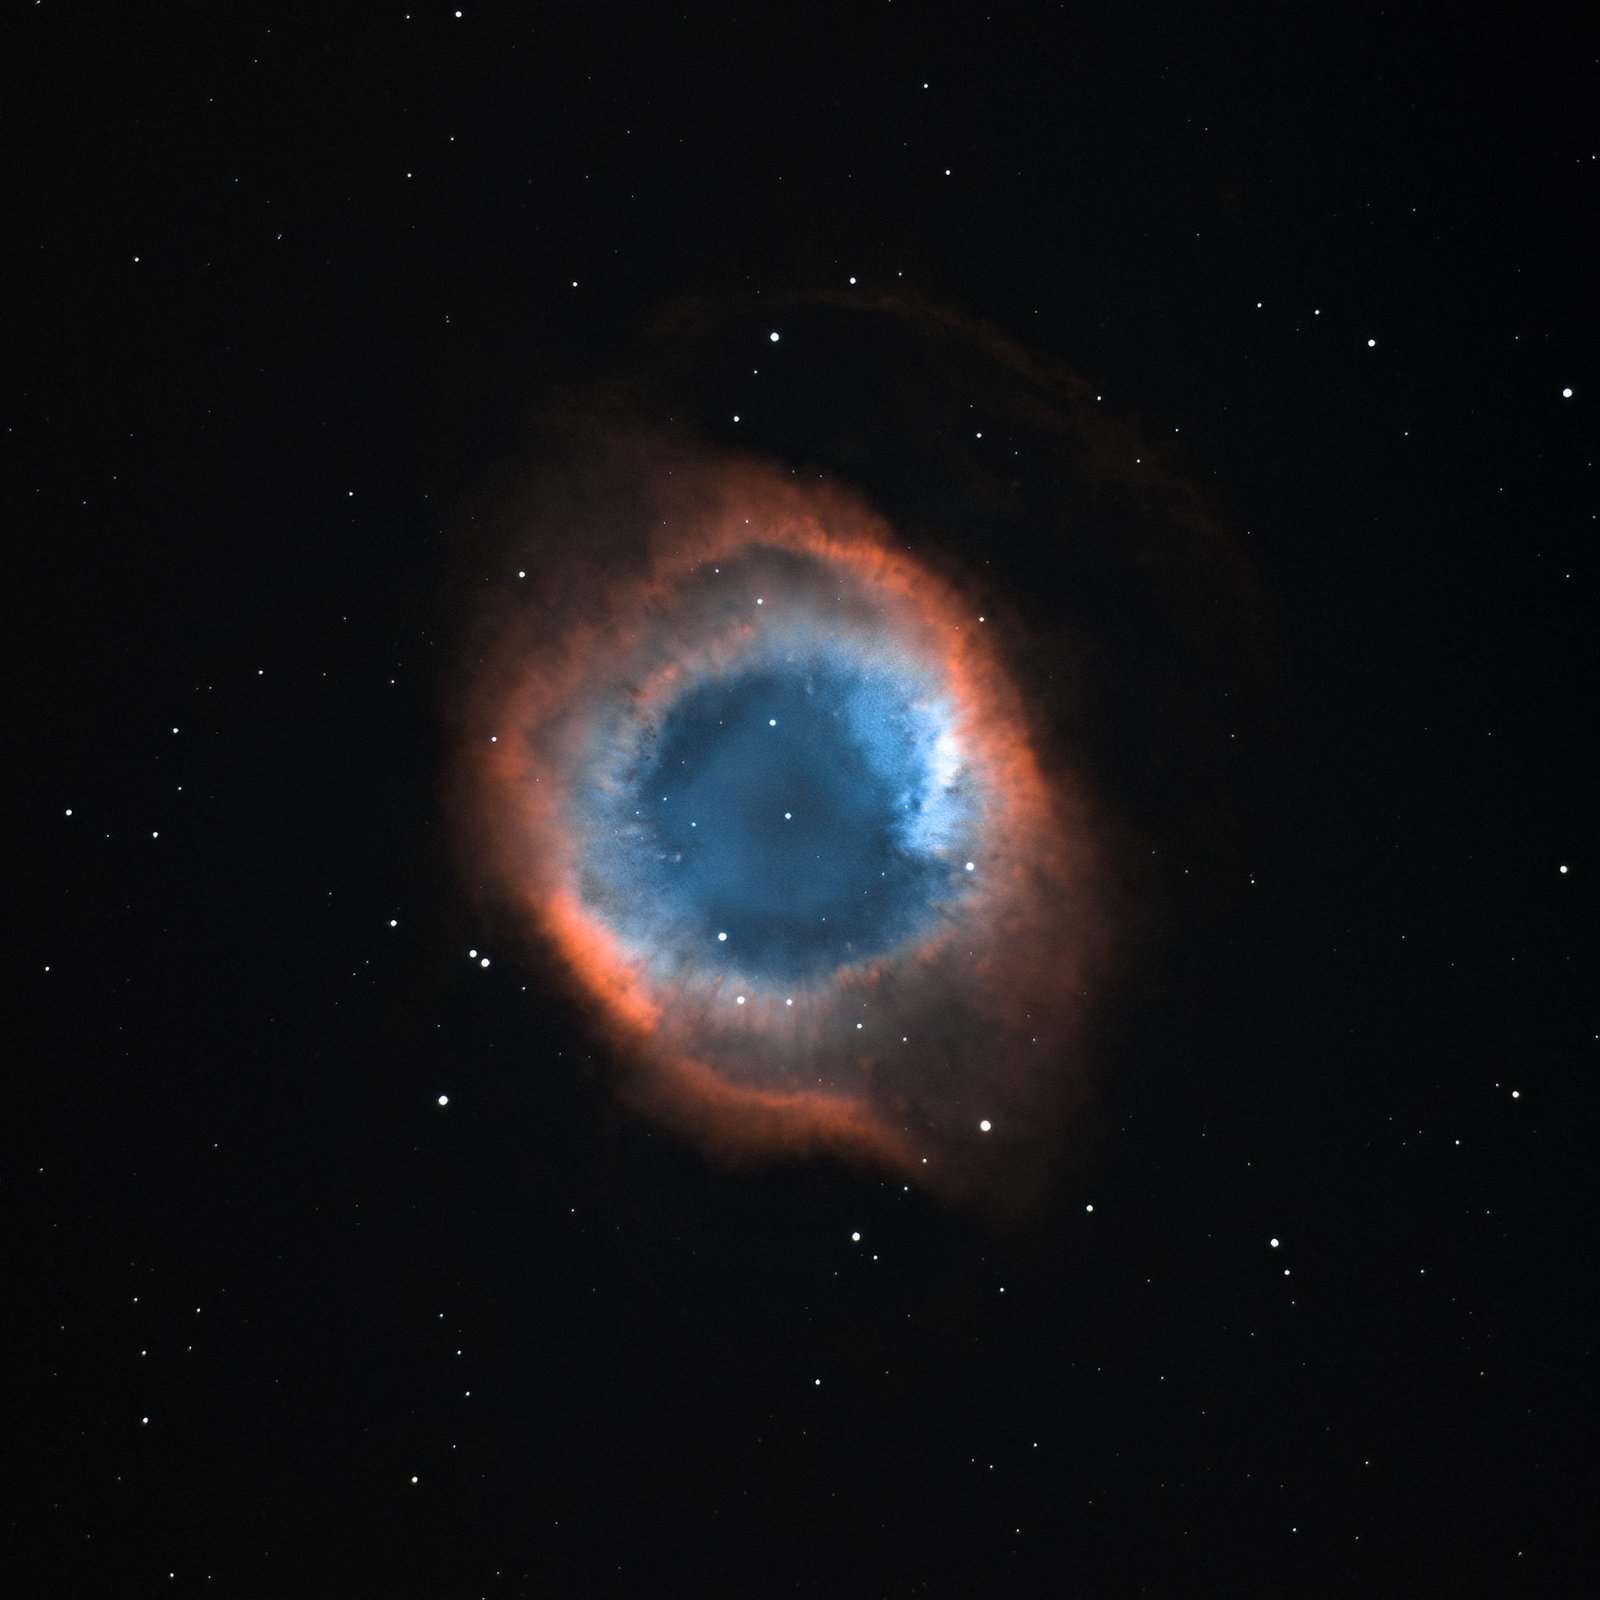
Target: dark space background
pixel 287 285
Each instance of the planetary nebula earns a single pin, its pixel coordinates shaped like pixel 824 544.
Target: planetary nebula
pixel 762 783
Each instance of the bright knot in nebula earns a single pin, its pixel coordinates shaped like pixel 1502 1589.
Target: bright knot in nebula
pixel 760 780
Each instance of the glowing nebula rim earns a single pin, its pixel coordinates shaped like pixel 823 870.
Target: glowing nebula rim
pixel 938 1058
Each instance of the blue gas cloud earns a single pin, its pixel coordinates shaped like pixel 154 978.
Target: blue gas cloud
pixel 797 812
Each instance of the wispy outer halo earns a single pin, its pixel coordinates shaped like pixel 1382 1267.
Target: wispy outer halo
pixel 949 1057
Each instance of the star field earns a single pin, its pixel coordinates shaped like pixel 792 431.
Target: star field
pixel 1233 373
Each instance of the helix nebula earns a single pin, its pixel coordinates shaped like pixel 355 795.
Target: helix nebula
pixel 763 779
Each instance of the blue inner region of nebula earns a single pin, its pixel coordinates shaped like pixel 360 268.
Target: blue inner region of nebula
pixel 792 819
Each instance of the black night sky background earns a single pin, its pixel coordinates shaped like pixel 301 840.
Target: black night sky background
pixel 1307 1309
